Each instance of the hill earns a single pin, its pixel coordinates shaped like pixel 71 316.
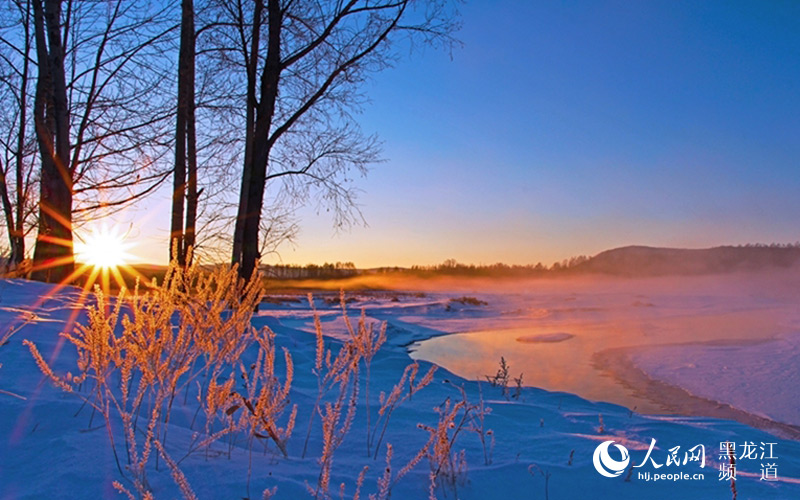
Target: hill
pixel 650 261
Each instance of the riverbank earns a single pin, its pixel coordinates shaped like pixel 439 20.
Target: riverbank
pixel 671 399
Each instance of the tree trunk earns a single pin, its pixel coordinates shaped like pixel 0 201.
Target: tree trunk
pixel 191 136
pixel 53 257
pixel 261 143
pixel 17 235
pixel 251 105
pixel 183 194
pixel 8 211
pixel 177 248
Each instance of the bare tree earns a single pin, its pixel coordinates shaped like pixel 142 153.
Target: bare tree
pixel 207 143
pixel 182 232
pixel 101 114
pixel 16 172
pixel 51 115
pixel 303 64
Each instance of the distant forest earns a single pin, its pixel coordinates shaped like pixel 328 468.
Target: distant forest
pixel 630 261
pixel 449 267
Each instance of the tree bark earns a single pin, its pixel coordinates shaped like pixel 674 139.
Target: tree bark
pixel 252 105
pixel 261 145
pixel 176 248
pixel 53 256
pixel 184 194
pixel 191 136
pixel 8 211
pixel 17 236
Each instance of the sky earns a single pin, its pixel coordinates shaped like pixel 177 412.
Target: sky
pixel 567 128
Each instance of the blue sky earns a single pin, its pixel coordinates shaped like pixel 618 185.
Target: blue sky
pixel 566 128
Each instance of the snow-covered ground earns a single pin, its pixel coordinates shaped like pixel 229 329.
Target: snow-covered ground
pixel 51 446
pixel 759 378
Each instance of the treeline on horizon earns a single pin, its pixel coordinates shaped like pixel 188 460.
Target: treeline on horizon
pixel 451 267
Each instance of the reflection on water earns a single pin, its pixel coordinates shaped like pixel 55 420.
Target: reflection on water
pixel 551 360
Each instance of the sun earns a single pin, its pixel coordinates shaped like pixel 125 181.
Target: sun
pixel 103 248
pixel 100 254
